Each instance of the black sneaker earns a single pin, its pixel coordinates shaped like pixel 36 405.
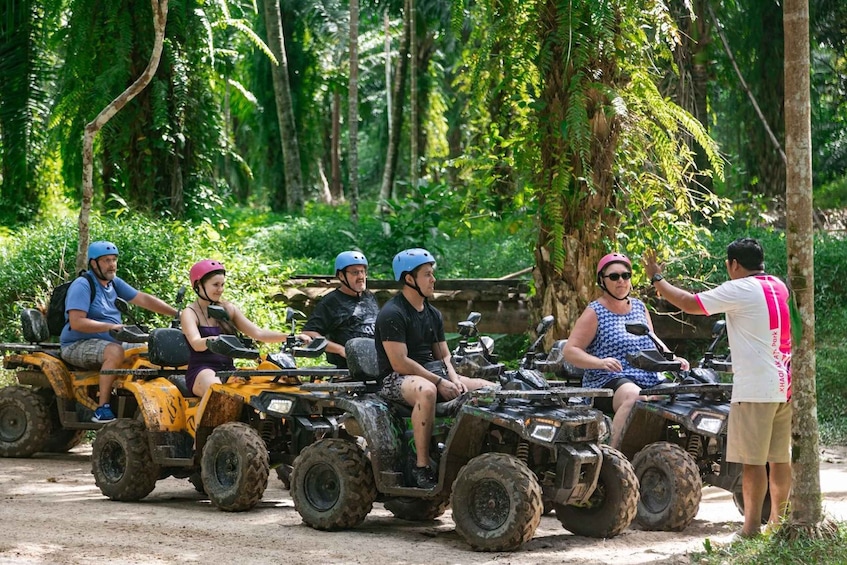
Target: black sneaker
pixel 424 478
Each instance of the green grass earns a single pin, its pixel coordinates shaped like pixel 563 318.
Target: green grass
pixel 770 550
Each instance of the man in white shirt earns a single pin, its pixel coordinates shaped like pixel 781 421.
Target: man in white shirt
pixel 759 332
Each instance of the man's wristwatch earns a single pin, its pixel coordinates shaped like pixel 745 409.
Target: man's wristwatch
pixel 656 278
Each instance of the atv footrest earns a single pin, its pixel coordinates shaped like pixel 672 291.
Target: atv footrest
pixel 391 479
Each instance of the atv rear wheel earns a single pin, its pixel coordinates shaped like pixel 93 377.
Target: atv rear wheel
pixel 332 485
pixel 24 422
pixel 60 440
pixel 234 467
pixel 418 509
pixel 121 463
pixel 613 504
pixel 670 487
pixel 496 502
pixel 738 499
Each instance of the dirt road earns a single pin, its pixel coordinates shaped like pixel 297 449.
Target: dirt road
pixel 51 512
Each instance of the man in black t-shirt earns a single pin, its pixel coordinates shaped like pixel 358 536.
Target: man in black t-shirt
pixel 348 311
pixel 409 335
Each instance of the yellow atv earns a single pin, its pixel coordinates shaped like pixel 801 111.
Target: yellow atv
pixel 50 407
pixel 225 442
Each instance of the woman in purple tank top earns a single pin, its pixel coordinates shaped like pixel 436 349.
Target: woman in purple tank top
pixel 207 279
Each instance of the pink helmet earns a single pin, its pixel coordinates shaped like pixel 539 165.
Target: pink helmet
pixel 610 258
pixel 202 268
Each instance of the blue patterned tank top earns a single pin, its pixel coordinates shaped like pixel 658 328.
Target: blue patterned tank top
pixel 612 340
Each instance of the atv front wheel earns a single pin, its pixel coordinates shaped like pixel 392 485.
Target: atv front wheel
pixel 24 422
pixel 60 440
pixel 332 485
pixel 234 467
pixel 611 507
pixel 670 487
pixel 121 463
pixel 418 509
pixel 496 502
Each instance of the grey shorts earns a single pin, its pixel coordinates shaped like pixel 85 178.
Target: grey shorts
pixel 391 388
pixel 88 353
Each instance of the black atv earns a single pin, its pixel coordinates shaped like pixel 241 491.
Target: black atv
pixel 498 453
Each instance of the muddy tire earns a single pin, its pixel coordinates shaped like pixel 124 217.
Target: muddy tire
pixel 235 467
pixel 59 440
pixel 738 499
pixel 121 463
pixel 418 509
pixel 496 503
pixel 332 485
pixel 24 422
pixel 613 504
pixel 670 487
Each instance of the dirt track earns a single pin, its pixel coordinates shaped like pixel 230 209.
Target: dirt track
pixel 51 512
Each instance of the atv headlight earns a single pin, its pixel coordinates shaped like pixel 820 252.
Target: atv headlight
pixel 710 425
pixel 280 405
pixel 543 432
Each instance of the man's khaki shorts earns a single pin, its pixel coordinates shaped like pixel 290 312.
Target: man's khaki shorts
pixel 89 353
pixel 759 432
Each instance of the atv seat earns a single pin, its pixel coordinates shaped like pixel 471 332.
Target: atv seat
pixel 167 347
pixel 34 325
pixel 179 382
pixel 446 409
pixel 361 359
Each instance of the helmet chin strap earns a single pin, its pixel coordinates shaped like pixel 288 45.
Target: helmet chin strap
pixel 96 269
pixel 609 292
pixel 345 283
pixel 206 297
pixel 415 286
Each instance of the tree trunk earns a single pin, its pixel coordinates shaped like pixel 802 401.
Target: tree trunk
pixel 284 108
pixel 575 219
pixel 413 95
pixel 386 191
pixel 353 112
pixel 806 513
pixel 335 187
pixel 160 18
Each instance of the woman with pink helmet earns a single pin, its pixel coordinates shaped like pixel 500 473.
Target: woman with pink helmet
pixel 207 279
pixel 599 342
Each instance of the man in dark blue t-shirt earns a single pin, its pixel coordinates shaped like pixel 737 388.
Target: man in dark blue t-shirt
pixel 409 338
pixel 348 311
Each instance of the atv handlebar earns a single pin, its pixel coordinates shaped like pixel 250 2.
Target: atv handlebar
pixel 231 346
pixel 130 334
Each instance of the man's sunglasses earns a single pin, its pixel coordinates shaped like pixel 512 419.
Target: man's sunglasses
pixel 614 277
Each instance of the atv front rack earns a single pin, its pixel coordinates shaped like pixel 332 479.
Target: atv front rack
pixel 673 390
pixel 558 392
pixel 317 372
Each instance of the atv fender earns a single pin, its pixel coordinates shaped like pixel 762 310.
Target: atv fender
pixel 160 403
pixel 43 370
pixel 643 426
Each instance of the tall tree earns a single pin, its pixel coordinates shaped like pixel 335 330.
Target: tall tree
pixel 353 111
pixel 160 18
pixel 386 190
pixel 413 93
pixel 806 513
pixel 284 108
pixel 23 109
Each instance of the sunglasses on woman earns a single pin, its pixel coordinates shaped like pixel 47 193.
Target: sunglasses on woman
pixel 615 277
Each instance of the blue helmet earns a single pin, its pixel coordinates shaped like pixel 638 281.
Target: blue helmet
pixel 347 258
pixel 99 248
pixel 409 260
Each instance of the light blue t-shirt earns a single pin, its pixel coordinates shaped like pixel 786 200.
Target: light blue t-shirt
pixel 612 340
pixel 102 309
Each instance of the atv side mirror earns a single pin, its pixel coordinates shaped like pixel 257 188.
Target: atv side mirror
pixel 719 328
pixel 180 297
pixel 291 314
pixel 466 329
pixel 218 312
pixel 638 328
pixel 474 317
pixel 122 305
pixel 545 324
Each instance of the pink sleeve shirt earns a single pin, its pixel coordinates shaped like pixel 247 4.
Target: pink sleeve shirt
pixel 759 331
